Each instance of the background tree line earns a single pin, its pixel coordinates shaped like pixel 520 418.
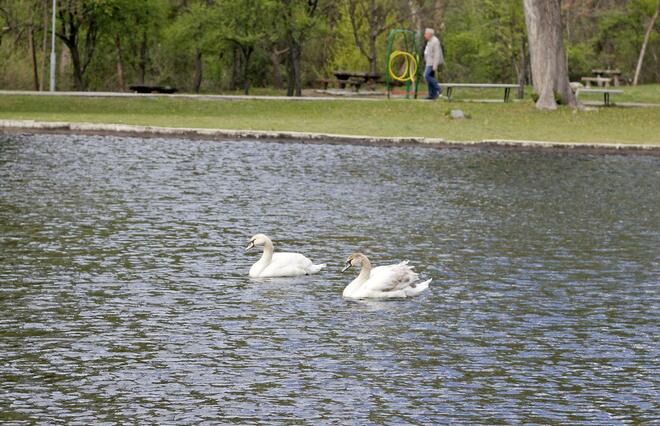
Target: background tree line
pixel 220 45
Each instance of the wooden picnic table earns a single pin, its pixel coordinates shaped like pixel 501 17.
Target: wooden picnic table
pixel 350 78
pixel 602 73
pixel 364 77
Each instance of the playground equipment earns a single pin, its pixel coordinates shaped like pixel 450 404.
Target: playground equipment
pixel 409 66
pixel 403 61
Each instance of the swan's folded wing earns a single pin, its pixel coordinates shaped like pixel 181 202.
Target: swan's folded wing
pixel 286 258
pixel 391 277
pixel 287 264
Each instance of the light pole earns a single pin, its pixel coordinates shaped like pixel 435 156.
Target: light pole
pixel 52 51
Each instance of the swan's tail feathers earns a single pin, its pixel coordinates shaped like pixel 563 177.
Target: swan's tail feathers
pixel 418 288
pixel 315 268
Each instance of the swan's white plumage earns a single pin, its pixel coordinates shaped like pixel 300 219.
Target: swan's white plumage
pixel 273 265
pixel 381 282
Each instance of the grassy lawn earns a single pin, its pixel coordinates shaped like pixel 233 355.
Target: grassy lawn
pixel 378 118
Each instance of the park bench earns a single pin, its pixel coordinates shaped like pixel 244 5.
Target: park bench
pixel 143 88
pixel 507 88
pixel 600 81
pixel 606 93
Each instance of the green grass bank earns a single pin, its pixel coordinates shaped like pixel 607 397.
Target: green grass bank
pixel 519 120
pixel 645 93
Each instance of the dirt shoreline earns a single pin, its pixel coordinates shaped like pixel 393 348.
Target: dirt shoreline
pixel 30 126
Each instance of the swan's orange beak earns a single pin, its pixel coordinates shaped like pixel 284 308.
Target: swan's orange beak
pixel 249 246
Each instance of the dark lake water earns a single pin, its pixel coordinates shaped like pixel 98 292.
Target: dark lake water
pixel 124 294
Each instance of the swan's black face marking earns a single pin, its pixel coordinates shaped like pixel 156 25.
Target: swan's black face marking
pixel 250 245
pixel 349 263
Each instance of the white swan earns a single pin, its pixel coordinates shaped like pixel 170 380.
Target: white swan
pixel 383 281
pixel 279 264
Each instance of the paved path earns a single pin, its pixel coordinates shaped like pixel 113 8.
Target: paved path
pixel 181 96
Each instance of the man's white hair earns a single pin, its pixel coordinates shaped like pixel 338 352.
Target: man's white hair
pixel 430 31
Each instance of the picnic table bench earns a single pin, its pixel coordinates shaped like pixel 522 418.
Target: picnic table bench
pixel 355 83
pixel 507 88
pixel 366 77
pixel 143 88
pixel 600 81
pixel 606 93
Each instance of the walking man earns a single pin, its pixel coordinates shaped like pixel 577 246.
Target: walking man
pixel 433 58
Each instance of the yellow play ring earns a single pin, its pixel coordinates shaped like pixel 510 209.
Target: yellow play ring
pixel 409 68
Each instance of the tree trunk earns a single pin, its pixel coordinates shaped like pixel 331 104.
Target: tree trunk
pixel 142 62
pixel 642 52
pixel 246 69
pixel 33 54
pixel 297 71
pixel 78 81
pixel 372 19
pixel 199 69
pixel 290 83
pixel 439 15
pixel 44 47
pixel 294 80
pixel 521 71
pixel 275 60
pixel 236 68
pixel 373 53
pixel 568 23
pixel 548 59
pixel 414 16
pixel 120 65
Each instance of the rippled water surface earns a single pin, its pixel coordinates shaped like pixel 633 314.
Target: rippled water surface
pixel 124 294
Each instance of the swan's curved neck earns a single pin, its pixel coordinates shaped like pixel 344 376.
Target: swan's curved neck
pixel 268 252
pixel 366 270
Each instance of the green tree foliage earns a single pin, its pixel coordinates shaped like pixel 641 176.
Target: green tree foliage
pixel 220 45
pixel 22 42
pixel 370 21
pixel 619 37
pixel 189 38
pixel 244 25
